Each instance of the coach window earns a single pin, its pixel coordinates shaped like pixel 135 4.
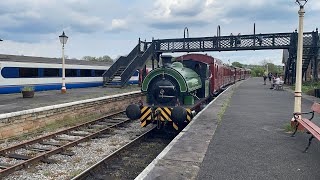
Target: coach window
pixel 10 72
pixel 98 73
pixel 71 72
pixel 28 72
pixel 50 72
pixel 85 72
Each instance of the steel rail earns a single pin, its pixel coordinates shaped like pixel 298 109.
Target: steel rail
pixel 51 135
pixel 3 152
pixel 107 159
pixel 45 155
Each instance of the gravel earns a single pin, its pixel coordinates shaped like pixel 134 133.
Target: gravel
pixel 86 154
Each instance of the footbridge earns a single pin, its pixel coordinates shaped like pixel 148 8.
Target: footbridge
pixel 121 71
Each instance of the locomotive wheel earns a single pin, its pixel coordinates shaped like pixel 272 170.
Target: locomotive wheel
pixel 133 112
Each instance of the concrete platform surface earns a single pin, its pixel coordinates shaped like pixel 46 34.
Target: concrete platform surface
pixel 251 142
pixel 15 102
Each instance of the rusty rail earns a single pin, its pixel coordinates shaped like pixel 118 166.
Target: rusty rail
pixel 43 156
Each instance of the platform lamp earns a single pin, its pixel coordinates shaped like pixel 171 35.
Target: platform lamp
pixel 184 36
pixel 298 83
pixel 63 39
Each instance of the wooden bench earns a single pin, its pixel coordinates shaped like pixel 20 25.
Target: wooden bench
pixel 311 128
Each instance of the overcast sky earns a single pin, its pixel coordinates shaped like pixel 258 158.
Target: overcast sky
pixel 112 27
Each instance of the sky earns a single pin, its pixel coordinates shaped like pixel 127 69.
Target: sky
pixel 113 27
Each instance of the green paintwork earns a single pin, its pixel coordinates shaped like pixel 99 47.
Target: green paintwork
pixel 188 100
pixel 187 79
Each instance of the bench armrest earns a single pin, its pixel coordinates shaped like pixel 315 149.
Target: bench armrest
pixel 295 115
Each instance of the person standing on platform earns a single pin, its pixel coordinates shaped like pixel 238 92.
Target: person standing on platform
pixel 270 76
pixel 265 76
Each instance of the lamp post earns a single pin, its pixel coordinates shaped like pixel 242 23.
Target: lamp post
pixel 297 94
pixel 63 39
pixel 184 36
pixel 184 32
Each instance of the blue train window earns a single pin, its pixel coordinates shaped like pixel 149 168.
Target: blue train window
pixel 10 72
pixel 85 72
pixel 50 72
pixel 71 72
pixel 28 72
pixel 98 73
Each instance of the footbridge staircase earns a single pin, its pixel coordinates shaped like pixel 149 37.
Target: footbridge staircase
pixel 309 57
pixel 121 71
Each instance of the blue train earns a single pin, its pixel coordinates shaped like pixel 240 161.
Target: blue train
pixel 42 73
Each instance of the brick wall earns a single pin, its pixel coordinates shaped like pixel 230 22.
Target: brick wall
pixel 16 123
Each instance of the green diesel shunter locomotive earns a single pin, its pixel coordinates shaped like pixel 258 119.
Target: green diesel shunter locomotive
pixel 171 91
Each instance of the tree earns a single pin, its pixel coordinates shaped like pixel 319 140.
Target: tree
pixel 237 64
pixel 89 58
pixel 271 67
pixel 104 58
pixel 257 71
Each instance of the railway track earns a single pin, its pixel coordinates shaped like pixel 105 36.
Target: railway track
pixel 40 149
pixel 128 161
pixel 146 147
pixel 131 159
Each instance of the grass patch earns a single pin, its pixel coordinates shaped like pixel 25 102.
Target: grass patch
pixel 47 174
pixel 308 86
pixel 75 173
pixel 77 160
pixel 66 122
pixel 288 128
pixel 224 108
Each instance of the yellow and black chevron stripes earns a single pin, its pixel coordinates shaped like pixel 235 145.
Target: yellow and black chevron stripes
pixel 165 114
pixel 175 126
pixel 145 115
pixel 189 114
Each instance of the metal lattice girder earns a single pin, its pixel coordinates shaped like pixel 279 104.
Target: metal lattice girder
pixel 231 43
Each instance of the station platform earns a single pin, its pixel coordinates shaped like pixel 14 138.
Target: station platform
pixel 249 142
pixel 14 102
